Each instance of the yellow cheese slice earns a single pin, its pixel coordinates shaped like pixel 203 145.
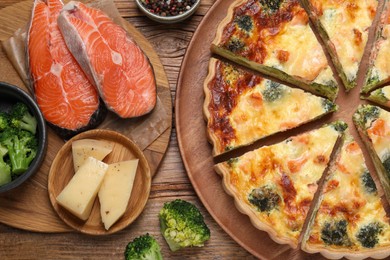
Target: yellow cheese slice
pixel 114 194
pixel 83 148
pixel 79 194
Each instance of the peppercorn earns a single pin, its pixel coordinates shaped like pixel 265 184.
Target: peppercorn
pixel 168 7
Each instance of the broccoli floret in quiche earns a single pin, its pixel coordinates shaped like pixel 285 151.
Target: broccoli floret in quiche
pixel 273 91
pixel 364 114
pixel 368 182
pixel 264 198
pixel 335 233
pixel 368 234
pixel 244 22
pixel 271 5
pixel 235 45
pixel 339 126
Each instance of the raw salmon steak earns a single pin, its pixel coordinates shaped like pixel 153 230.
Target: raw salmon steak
pixel 121 71
pixel 65 96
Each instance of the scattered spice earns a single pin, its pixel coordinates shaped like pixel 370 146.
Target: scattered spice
pixel 168 7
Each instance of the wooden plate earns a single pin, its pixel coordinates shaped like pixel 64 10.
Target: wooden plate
pixel 196 152
pixel 62 171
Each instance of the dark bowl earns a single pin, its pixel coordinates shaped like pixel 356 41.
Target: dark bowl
pixel 168 19
pixel 9 95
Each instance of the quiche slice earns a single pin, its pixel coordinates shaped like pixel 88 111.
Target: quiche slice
pixel 241 107
pixel 343 27
pixel 350 220
pixel 275 185
pixel 373 124
pixel 274 38
pixel 378 72
pixel 381 96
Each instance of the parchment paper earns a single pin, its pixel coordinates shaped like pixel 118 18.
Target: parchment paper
pixel 143 130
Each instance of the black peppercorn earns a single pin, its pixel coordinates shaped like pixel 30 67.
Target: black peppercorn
pixel 168 7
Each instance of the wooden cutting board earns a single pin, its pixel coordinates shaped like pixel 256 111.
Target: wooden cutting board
pixel 28 207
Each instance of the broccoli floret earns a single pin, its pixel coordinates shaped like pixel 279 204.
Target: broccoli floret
pixel 335 233
pixel 365 113
pixel 21 118
pixel 22 148
pixel 368 182
pixel 368 234
pixel 244 22
pixel 328 105
pixel 182 225
pixel 272 5
pixel 5 169
pixel 4 121
pixel 339 126
pixel 235 45
pixel 273 91
pixel 264 198
pixel 144 247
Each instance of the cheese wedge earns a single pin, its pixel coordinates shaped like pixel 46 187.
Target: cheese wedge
pixel 83 148
pixel 79 194
pixel 114 194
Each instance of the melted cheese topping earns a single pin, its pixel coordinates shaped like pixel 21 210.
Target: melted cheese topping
pixel 347 23
pixel 346 198
pixel 246 103
pixel 292 168
pixel 381 65
pixel 276 38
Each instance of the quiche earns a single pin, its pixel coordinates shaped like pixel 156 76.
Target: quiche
pixel 350 220
pixel 378 72
pixel 267 36
pixel 239 105
pixel 343 26
pixel 373 124
pixel 381 96
pixel 275 185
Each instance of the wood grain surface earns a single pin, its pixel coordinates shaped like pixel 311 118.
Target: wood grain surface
pixel 15 212
pixel 171 181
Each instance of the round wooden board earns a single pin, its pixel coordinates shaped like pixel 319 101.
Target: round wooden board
pixel 197 152
pixel 28 207
pixel 62 171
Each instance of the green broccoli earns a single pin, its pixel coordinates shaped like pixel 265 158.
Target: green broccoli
pixel 144 247
pixel 264 198
pixel 4 121
pixel 21 118
pixel 5 169
pixel 368 182
pixel 368 234
pixel 365 114
pixel 335 233
pixel 22 148
pixel 182 225
pixel 273 91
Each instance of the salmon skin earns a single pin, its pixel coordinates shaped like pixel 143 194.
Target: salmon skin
pixel 65 96
pixel 120 70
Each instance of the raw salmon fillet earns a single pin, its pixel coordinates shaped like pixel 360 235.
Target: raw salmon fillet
pixel 64 94
pixel 121 71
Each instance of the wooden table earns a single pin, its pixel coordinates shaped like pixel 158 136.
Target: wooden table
pixel 171 181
